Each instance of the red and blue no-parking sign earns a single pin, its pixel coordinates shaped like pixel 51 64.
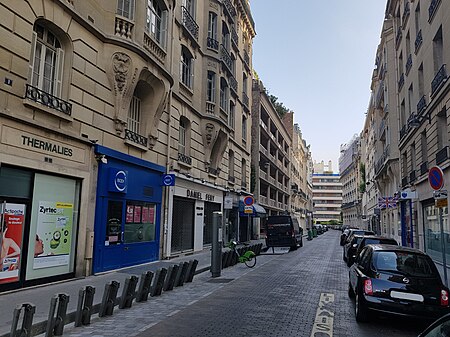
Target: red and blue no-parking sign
pixel 248 201
pixel 436 178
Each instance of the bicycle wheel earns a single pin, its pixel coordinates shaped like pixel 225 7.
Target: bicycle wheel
pixel 251 262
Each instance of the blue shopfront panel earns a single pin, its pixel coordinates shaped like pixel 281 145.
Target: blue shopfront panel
pixel 128 209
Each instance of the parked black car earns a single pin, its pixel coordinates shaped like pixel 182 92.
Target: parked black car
pixel 344 236
pixel 371 240
pixel 439 328
pixel 356 231
pixel 283 231
pixel 319 228
pixel 397 280
pixel 349 251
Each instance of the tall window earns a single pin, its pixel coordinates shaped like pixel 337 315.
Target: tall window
pixel 417 18
pixel 212 26
pixel 244 83
pixel 223 94
pixel 156 21
pixel 424 147
pixel 182 137
pixel 231 115
pixel 410 99
pixel 438 50
pixel 413 157
pixel 190 6
pixel 408 44
pixel 186 67
pixel 125 8
pixel 420 76
pixel 134 115
pixel 402 114
pixel 225 36
pixel 46 64
pixel 211 87
pixel 231 163
pixel 243 173
pixel 244 128
pixel 442 134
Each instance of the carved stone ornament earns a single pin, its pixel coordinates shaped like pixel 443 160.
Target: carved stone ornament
pixel 209 134
pixel 121 67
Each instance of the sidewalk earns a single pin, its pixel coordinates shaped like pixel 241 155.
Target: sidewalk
pixel 41 295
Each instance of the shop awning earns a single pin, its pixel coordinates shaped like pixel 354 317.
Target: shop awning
pixel 256 210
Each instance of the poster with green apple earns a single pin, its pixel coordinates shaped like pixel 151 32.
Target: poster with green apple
pixel 53 234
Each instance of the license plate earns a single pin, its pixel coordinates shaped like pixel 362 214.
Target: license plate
pixel 407 296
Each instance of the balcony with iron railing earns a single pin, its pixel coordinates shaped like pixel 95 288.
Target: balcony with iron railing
pixel 234 38
pixel 182 158
pixel 439 79
pixel 233 85
pixel 408 64
pixel 246 59
pixel 403 131
pixel 213 171
pixel 189 22
pixel 421 105
pixel 245 101
pixel 36 95
pixel 424 168
pixel 442 155
pixel 135 138
pixel 418 41
pixel 433 9
pixel 379 164
pixel 380 94
pixel 382 129
pixel 226 59
pixel 231 179
pixel 229 8
pixel 406 12
pixel 212 43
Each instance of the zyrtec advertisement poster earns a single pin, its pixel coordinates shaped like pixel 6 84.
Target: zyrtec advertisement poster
pixel 53 235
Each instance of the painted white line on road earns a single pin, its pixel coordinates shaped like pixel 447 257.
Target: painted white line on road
pixel 323 324
pixel 148 326
pixel 194 301
pixel 207 294
pixel 173 313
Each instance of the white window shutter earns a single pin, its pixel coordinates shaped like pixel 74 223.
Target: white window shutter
pixel 59 73
pixel 32 57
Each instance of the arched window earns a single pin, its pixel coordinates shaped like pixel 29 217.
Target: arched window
pixel 134 115
pixel 186 67
pixel 46 64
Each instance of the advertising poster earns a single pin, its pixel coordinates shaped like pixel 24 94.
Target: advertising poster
pixel 53 235
pixel 12 218
pixel 130 213
pixel 145 215
pixel 137 214
pixel 152 214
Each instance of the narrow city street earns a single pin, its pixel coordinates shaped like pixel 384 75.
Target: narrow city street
pixel 279 297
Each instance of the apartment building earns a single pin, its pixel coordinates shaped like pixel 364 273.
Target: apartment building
pixel 350 177
pixel 327 194
pixel 271 144
pixel 100 100
pixel 301 193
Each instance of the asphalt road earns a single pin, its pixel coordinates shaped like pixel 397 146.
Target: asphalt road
pixel 302 293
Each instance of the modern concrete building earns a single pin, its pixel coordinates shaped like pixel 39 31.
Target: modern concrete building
pixel 327 194
pixel 271 167
pixel 350 177
pixel 99 100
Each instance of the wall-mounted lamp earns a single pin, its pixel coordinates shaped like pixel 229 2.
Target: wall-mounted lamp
pixel 102 158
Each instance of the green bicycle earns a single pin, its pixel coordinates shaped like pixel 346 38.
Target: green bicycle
pixel 249 257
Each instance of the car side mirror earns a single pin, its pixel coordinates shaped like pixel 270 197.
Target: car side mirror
pixel 440 327
pixel 355 245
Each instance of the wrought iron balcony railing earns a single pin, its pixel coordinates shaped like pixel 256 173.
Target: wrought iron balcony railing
pixel 184 159
pixel 189 22
pixel 380 95
pixel 424 168
pixel 231 179
pixel 234 37
pixel 48 100
pixel 418 42
pixel 212 43
pixel 233 84
pixel 229 8
pixel 398 38
pixel 403 131
pixel 135 138
pixel 401 82
pixel 246 59
pixel 408 64
pixel 432 9
pixel 440 77
pixel 245 100
pixel 226 58
pixel 421 105
pixel 213 171
pixel 442 155
pixel 406 12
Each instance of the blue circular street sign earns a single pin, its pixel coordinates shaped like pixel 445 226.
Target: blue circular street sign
pixel 168 179
pixel 120 181
pixel 436 178
pixel 248 201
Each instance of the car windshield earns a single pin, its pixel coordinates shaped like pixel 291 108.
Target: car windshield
pixel 407 263
pixel 381 241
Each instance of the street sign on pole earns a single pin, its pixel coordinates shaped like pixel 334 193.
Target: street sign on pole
pixel 168 179
pixel 436 178
pixel 248 201
pixel 441 198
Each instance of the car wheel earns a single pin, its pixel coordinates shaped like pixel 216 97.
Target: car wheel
pixel 361 312
pixel 350 292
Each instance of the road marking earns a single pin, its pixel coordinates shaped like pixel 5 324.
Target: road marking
pixel 207 294
pixel 323 324
pixel 173 313
pixel 194 301
pixel 147 326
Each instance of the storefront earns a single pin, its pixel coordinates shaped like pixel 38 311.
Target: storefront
pixel 435 242
pixel 191 206
pixel 43 180
pixel 128 210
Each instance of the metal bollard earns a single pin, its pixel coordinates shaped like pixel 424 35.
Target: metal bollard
pixel 170 279
pixel 109 299
pixel 178 275
pixel 144 286
pixel 216 245
pixel 224 259
pixel 129 292
pixel 184 268
pixel 84 306
pixel 55 325
pixel 28 313
pixel 191 272
pixel 158 282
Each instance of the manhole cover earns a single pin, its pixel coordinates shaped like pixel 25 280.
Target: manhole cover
pixel 220 280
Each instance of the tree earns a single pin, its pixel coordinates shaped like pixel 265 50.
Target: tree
pixel 279 106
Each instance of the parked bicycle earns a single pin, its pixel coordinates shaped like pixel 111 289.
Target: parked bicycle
pixel 249 257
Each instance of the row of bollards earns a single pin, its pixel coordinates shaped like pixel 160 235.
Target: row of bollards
pixel 230 258
pixel 163 280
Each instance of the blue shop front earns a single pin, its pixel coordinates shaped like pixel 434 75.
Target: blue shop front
pixel 128 210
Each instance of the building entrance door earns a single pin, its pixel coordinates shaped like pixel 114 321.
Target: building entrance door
pixel 182 225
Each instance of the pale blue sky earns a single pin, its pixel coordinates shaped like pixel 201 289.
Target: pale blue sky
pixel 317 57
